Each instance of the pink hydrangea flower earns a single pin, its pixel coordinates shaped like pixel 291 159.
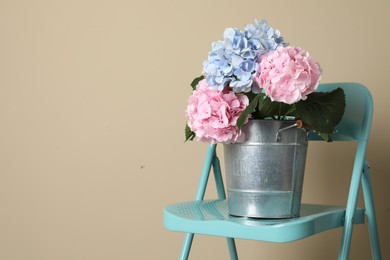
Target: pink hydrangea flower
pixel 213 114
pixel 288 74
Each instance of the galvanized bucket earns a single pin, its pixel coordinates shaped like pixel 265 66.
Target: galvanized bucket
pixel 265 173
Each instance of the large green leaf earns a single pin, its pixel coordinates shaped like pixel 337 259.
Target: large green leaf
pixel 322 110
pixel 268 108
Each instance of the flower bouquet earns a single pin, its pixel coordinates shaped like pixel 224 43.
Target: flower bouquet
pixel 255 74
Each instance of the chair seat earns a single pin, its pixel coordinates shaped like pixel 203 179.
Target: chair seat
pixel 211 217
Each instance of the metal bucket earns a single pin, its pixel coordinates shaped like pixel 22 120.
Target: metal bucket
pixel 265 173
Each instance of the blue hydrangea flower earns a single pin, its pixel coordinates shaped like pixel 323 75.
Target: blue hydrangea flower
pixel 233 61
pixel 263 38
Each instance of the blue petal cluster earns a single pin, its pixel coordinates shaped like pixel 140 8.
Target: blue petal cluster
pixel 233 61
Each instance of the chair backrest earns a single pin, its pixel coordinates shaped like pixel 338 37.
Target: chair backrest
pixel 356 122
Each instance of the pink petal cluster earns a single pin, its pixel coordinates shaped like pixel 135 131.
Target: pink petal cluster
pixel 213 114
pixel 288 74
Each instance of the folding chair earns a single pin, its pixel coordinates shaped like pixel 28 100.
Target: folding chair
pixel 210 217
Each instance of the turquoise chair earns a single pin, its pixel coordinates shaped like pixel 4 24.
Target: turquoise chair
pixel 210 217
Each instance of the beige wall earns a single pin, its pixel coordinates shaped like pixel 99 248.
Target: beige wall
pixel 92 95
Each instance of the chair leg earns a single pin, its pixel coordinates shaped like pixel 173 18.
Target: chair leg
pixel 185 250
pixel 209 160
pixel 370 213
pixel 356 180
pixel 218 178
pixel 222 195
pixel 232 248
pixel 345 241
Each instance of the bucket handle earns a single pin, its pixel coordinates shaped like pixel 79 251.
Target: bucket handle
pixel 298 124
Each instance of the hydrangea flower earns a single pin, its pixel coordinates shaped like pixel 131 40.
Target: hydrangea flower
pixel 263 38
pixel 212 114
pixel 233 61
pixel 254 74
pixel 288 74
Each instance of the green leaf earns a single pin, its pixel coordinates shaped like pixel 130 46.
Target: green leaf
pixel 195 82
pixel 189 134
pixel 268 108
pixel 322 110
pixel 248 110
